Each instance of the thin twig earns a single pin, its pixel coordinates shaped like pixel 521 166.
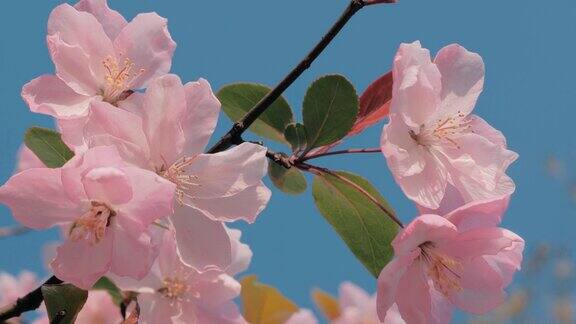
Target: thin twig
pixel 351 183
pixel 13 231
pixel 241 125
pixel 27 303
pixel 349 151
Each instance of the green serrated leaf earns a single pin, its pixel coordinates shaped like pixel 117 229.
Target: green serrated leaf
pixel 48 146
pixel 329 111
pixel 238 98
pixel 63 302
pixel 363 226
pixel 295 134
pixel 290 181
pixel 106 284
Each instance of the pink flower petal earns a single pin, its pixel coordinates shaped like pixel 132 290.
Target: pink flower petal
pixel 201 116
pixel 152 197
pixel 389 279
pixel 303 316
pixel 133 253
pixel 107 185
pixel 425 228
pixel 81 30
pixel 241 253
pixel 480 214
pixel 49 95
pixel 80 164
pixel 229 172
pixel 37 199
pixel 203 244
pixel 413 297
pixel 111 20
pixel 245 205
pixel 417 85
pixel 351 295
pixel 147 43
pixel 462 78
pixel 155 308
pixel 83 263
pixel 162 112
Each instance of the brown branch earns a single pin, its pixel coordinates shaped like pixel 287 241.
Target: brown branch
pixel 349 151
pixel 27 303
pixel 13 231
pixel 241 125
pixel 313 168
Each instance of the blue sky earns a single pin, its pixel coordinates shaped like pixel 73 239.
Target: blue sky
pixel 528 48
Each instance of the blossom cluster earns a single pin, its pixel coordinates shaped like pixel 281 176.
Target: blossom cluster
pixel 139 202
pixel 142 204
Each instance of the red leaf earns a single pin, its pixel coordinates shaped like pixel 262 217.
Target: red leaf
pixel 374 104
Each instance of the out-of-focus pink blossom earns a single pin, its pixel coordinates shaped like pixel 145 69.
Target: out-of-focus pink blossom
pixel 303 316
pixel 165 130
pixel 174 292
pixel 357 307
pixel 14 287
pixel 461 259
pixel 433 143
pixel 98 56
pixel 107 205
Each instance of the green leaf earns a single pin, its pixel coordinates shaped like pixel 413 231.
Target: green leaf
pixel 63 302
pixel 238 98
pixel 264 304
pixel 48 146
pixel 363 226
pixel 330 110
pixel 290 181
pixel 295 134
pixel 106 284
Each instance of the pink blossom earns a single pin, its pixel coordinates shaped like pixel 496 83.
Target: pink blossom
pixel 107 206
pixel 14 287
pixel 460 260
pixel 303 316
pixel 165 130
pixel 98 56
pixel 433 142
pixel 174 292
pixel 357 307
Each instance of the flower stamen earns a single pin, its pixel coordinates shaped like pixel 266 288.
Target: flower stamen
pixel 176 173
pixel 92 225
pixel 118 79
pixel 442 269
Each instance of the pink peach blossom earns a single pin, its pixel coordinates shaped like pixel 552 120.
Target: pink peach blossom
pixel 14 287
pixel 165 130
pixel 460 260
pixel 357 307
pixel 433 142
pixel 174 292
pixel 303 316
pixel 107 205
pixel 98 56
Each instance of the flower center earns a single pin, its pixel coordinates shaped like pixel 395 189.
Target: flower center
pixel 92 225
pixel 118 79
pixel 442 269
pixel 176 173
pixel 443 129
pixel 173 288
